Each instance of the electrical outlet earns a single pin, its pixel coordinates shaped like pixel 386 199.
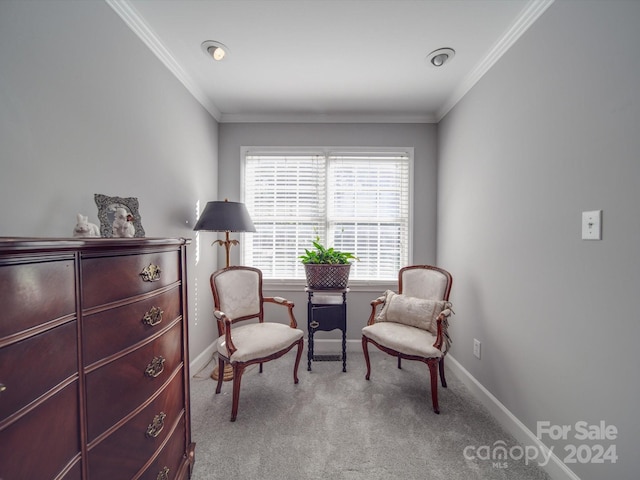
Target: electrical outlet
pixel 476 348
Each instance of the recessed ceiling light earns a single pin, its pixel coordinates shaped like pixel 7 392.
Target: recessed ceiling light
pixel 214 49
pixel 439 57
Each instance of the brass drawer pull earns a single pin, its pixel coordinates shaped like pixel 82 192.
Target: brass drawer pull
pixel 314 324
pixel 155 427
pixel 163 474
pixel 155 368
pixel 151 273
pixel 2 387
pixel 153 317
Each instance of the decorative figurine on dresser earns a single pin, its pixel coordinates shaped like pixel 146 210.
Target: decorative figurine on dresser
pixel 94 373
pixel 122 224
pixel 84 228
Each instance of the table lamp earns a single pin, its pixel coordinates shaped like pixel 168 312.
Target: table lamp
pixel 225 217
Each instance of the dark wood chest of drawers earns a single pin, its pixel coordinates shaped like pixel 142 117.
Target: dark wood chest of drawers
pixel 94 374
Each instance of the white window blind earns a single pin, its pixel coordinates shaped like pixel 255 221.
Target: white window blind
pixel 356 202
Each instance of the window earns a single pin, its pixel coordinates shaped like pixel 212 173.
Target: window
pixel 354 201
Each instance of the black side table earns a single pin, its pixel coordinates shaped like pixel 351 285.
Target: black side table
pixel 327 311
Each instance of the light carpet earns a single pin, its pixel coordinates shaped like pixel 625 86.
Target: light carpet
pixel 336 425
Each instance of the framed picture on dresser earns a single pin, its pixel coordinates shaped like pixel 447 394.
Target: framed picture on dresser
pixel 119 217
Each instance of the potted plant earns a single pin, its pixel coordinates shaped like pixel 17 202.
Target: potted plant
pixel 326 268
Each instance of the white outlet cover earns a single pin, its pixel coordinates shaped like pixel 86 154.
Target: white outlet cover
pixel 592 225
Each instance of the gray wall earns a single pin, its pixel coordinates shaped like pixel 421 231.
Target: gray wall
pixel 422 137
pixel 552 130
pixel 86 108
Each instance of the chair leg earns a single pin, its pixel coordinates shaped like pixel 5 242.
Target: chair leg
pixel 399 363
pixel 365 349
pixel 220 374
pixel 237 376
pixel 441 367
pixel 432 363
pixel 298 357
pixel 260 367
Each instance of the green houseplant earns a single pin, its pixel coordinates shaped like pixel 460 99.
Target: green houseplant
pixel 326 268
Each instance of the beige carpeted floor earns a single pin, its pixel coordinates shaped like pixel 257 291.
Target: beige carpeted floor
pixel 335 425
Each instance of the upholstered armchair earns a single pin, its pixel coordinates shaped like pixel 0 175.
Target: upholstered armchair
pixel 413 323
pixel 238 299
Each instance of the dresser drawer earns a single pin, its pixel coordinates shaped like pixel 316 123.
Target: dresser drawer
pixel 27 370
pixel 140 438
pixel 113 330
pixel 34 293
pixel 75 472
pixel 108 279
pixel 117 388
pixel 173 456
pixel 43 442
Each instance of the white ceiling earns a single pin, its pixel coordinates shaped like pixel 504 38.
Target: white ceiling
pixel 329 60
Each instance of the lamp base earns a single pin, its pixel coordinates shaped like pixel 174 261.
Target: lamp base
pixel 227 375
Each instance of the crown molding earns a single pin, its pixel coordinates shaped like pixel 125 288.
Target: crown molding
pixel 322 118
pixel 135 22
pixel 531 12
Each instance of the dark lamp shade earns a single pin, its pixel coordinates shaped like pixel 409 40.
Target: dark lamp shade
pixel 225 217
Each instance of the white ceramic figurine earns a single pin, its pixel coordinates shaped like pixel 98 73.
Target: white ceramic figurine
pixel 85 229
pixel 122 226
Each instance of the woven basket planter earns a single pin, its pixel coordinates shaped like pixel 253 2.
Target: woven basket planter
pixel 327 276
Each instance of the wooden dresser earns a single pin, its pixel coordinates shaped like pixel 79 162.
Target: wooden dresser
pixel 94 374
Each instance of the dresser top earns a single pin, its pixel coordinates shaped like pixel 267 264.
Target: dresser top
pixel 34 244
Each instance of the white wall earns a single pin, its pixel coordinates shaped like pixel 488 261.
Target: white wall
pixel 86 108
pixel 422 137
pixel 552 130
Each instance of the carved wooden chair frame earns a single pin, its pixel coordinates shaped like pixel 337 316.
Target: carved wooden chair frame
pixel 434 364
pixel 225 325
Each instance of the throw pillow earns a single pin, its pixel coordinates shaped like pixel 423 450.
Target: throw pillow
pixel 412 311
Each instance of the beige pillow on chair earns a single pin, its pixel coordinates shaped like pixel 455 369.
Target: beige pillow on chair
pixel 412 311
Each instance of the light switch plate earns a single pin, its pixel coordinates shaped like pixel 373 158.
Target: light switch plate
pixel 592 225
pixel 476 348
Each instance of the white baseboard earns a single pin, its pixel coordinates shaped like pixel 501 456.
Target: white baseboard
pixel 201 361
pixel 556 469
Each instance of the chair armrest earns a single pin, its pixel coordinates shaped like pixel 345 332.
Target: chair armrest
pixel 285 303
pixel 442 337
pixel 226 323
pixel 278 300
pixel 374 306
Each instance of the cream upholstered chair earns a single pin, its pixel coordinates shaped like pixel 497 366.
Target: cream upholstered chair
pixel 237 297
pixel 412 323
